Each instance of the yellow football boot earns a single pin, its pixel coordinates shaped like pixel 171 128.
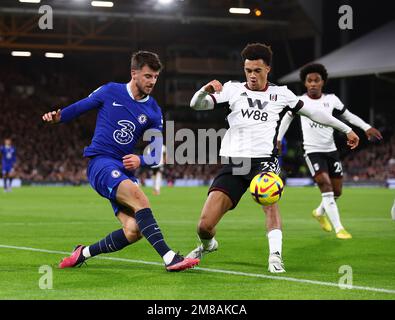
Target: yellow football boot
pixel 343 234
pixel 323 220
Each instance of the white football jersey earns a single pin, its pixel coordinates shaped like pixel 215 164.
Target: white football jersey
pixel 318 137
pixel 254 118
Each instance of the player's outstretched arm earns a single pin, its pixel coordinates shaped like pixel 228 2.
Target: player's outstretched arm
pixel 93 101
pixel 324 118
pixel 202 100
pixel 370 132
pixel 52 117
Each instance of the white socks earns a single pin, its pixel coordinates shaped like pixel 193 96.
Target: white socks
pixel 331 210
pixel 86 253
pixel 275 238
pixel 320 210
pixel 168 257
pixel 208 243
pixel 158 181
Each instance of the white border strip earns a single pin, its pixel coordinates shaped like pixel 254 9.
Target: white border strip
pixel 237 273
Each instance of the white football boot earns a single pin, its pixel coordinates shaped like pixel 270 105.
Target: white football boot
pixel 276 264
pixel 199 252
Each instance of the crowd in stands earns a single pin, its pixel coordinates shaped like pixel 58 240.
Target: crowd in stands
pixel 376 162
pixel 54 153
pixel 44 153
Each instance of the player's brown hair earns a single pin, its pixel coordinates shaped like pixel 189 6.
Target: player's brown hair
pixel 256 51
pixel 142 58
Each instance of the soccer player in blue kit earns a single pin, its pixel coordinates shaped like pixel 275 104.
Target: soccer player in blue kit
pixel 125 112
pixel 8 159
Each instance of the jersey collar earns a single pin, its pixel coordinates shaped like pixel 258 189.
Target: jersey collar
pixel 131 95
pixel 263 90
pixel 314 98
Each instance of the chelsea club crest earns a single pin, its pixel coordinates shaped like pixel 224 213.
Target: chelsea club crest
pixel 115 174
pixel 142 118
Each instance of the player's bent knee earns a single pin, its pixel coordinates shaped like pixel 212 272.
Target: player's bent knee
pixel 140 205
pixel 135 205
pixel 132 196
pixel 132 233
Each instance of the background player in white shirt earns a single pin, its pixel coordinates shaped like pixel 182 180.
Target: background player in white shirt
pixel 321 154
pixel 257 107
pixel 157 172
pixel 393 211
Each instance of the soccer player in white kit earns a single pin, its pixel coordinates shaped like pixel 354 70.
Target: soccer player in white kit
pixel 158 172
pixel 256 109
pixel 321 155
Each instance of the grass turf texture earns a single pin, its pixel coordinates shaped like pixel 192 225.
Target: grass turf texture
pixel 57 218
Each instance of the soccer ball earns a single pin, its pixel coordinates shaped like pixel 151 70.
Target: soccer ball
pixel 266 188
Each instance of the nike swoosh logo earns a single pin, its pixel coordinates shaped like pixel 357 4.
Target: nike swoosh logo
pixel 117 104
pixel 267 188
pixel 156 228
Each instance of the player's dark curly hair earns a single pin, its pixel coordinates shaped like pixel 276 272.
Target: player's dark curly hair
pixel 256 51
pixel 142 58
pixel 313 68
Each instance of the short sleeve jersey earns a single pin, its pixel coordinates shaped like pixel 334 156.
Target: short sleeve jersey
pixel 254 118
pixel 318 137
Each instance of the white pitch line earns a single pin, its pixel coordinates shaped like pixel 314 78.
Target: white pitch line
pixel 237 273
pixel 39 223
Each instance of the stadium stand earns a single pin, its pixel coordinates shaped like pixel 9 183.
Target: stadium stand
pixel 52 155
pixel 376 162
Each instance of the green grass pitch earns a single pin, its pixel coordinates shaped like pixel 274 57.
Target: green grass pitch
pixel 57 218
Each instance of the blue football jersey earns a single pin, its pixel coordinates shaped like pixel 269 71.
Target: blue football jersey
pixel 8 155
pixel 121 120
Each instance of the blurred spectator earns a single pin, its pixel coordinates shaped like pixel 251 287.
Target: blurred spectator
pixel 376 162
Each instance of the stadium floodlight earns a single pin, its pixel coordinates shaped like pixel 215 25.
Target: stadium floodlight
pixel 56 55
pixel 30 1
pixel 21 53
pixel 106 4
pixel 240 10
pixel 257 12
pixel 165 1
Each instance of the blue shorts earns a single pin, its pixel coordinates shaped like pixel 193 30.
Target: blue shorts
pixel 7 168
pixel 105 174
